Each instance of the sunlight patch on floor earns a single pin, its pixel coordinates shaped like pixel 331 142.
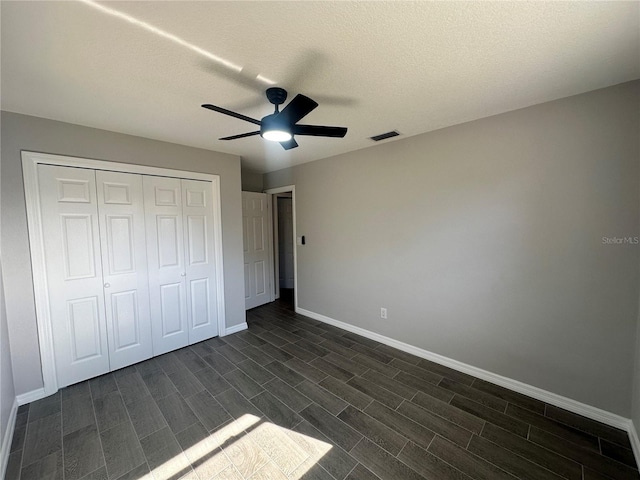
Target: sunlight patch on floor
pixel 248 447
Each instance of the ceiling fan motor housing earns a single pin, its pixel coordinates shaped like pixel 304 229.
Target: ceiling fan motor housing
pixel 276 95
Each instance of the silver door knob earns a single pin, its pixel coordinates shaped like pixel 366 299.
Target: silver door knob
pixel 107 285
pixel 183 274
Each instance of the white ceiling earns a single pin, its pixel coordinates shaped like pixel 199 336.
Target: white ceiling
pixel 144 68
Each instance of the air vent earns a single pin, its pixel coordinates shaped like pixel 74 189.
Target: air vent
pixel 384 136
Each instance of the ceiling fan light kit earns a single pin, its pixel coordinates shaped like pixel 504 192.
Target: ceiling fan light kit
pixel 281 126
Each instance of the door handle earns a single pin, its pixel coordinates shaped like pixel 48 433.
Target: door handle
pixel 107 285
pixel 183 274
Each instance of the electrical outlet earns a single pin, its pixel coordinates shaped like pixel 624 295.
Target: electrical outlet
pixel 383 312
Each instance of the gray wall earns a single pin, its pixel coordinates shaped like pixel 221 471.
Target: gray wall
pixel 21 132
pixel 251 181
pixel 484 242
pixel 7 390
pixel 635 410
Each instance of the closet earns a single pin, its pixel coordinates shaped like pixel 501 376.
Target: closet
pixel 130 266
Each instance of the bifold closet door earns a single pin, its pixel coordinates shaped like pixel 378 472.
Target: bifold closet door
pixel 124 265
pixel 165 249
pixel 202 311
pixel 69 210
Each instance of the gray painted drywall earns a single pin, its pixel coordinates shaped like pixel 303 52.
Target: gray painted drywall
pixel 251 181
pixel 484 242
pixel 7 390
pixel 21 132
pixel 635 408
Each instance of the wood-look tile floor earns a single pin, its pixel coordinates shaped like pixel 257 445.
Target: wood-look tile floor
pixel 292 398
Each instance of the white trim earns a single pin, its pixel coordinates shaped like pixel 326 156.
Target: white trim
pixel 5 449
pixel 32 396
pixel 574 406
pixel 236 328
pixel 292 189
pixel 635 441
pixel 30 162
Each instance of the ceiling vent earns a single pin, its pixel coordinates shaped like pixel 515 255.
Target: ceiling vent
pixel 384 136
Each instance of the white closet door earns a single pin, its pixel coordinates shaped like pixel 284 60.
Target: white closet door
pixel 202 303
pixel 124 264
pixel 165 249
pixel 74 273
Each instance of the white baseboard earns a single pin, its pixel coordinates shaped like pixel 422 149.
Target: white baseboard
pixel 5 448
pixel 31 396
pixel 235 329
pixel 551 398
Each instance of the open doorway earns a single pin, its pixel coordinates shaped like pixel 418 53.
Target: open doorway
pixel 284 243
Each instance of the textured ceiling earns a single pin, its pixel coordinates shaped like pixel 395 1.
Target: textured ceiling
pixel 144 68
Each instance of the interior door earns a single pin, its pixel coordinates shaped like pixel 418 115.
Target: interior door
pixel 165 256
pixel 124 264
pixel 256 239
pixel 69 211
pixel 200 264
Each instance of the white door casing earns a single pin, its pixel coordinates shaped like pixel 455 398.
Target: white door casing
pixel 200 261
pixel 256 241
pixel 74 272
pixel 165 250
pixel 124 264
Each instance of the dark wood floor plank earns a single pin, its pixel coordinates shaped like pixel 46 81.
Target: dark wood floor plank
pixel 110 410
pixel 346 363
pixel 585 456
pixel 375 431
pixel 425 387
pixel 334 460
pixel 446 372
pixel 257 355
pixel 338 431
pixel 390 384
pixel 401 424
pixel 317 350
pixel 529 450
pixel 509 395
pixel 42 439
pixel 346 392
pixel 122 451
pixel 382 395
pixel 509 461
pixel 360 472
pixel 210 413
pixel 82 452
pixel 384 465
pixel 429 465
pixel 310 373
pixel 449 412
pixel 219 363
pixel 490 415
pixel 285 373
pixel 159 384
pixel 331 369
pixel 177 412
pixel 399 354
pixel 275 410
pixel 435 423
pixel 299 352
pixel 322 397
pixel 416 371
pixel 77 412
pixel 288 395
pixel 560 429
pixel 46 468
pixel 145 416
pixel 212 380
pixel 255 371
pixel 474 394
pixel 186 382
pixel 132 387
pixel 337 348
pixel 373 364
pixel 164 455
pixel 613 435
pixel 243 383
pixel 275 352
pixel 615 451
pixel 466 462
pixel 237 405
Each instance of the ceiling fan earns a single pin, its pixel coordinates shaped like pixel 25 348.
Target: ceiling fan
pixel 282 126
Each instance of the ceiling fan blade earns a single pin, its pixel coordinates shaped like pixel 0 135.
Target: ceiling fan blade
pixel 231 114
pixel 289 144
pixel 242 135
pixel 319 131
pixel 297 108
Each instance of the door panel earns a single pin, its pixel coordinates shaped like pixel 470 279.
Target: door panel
pixel 124 260
pixel 165 250
pixel 68 204
pixel 200 261
pixel 256 241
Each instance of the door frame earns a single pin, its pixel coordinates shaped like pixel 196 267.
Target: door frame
pixel 30 162
pixel 276 266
